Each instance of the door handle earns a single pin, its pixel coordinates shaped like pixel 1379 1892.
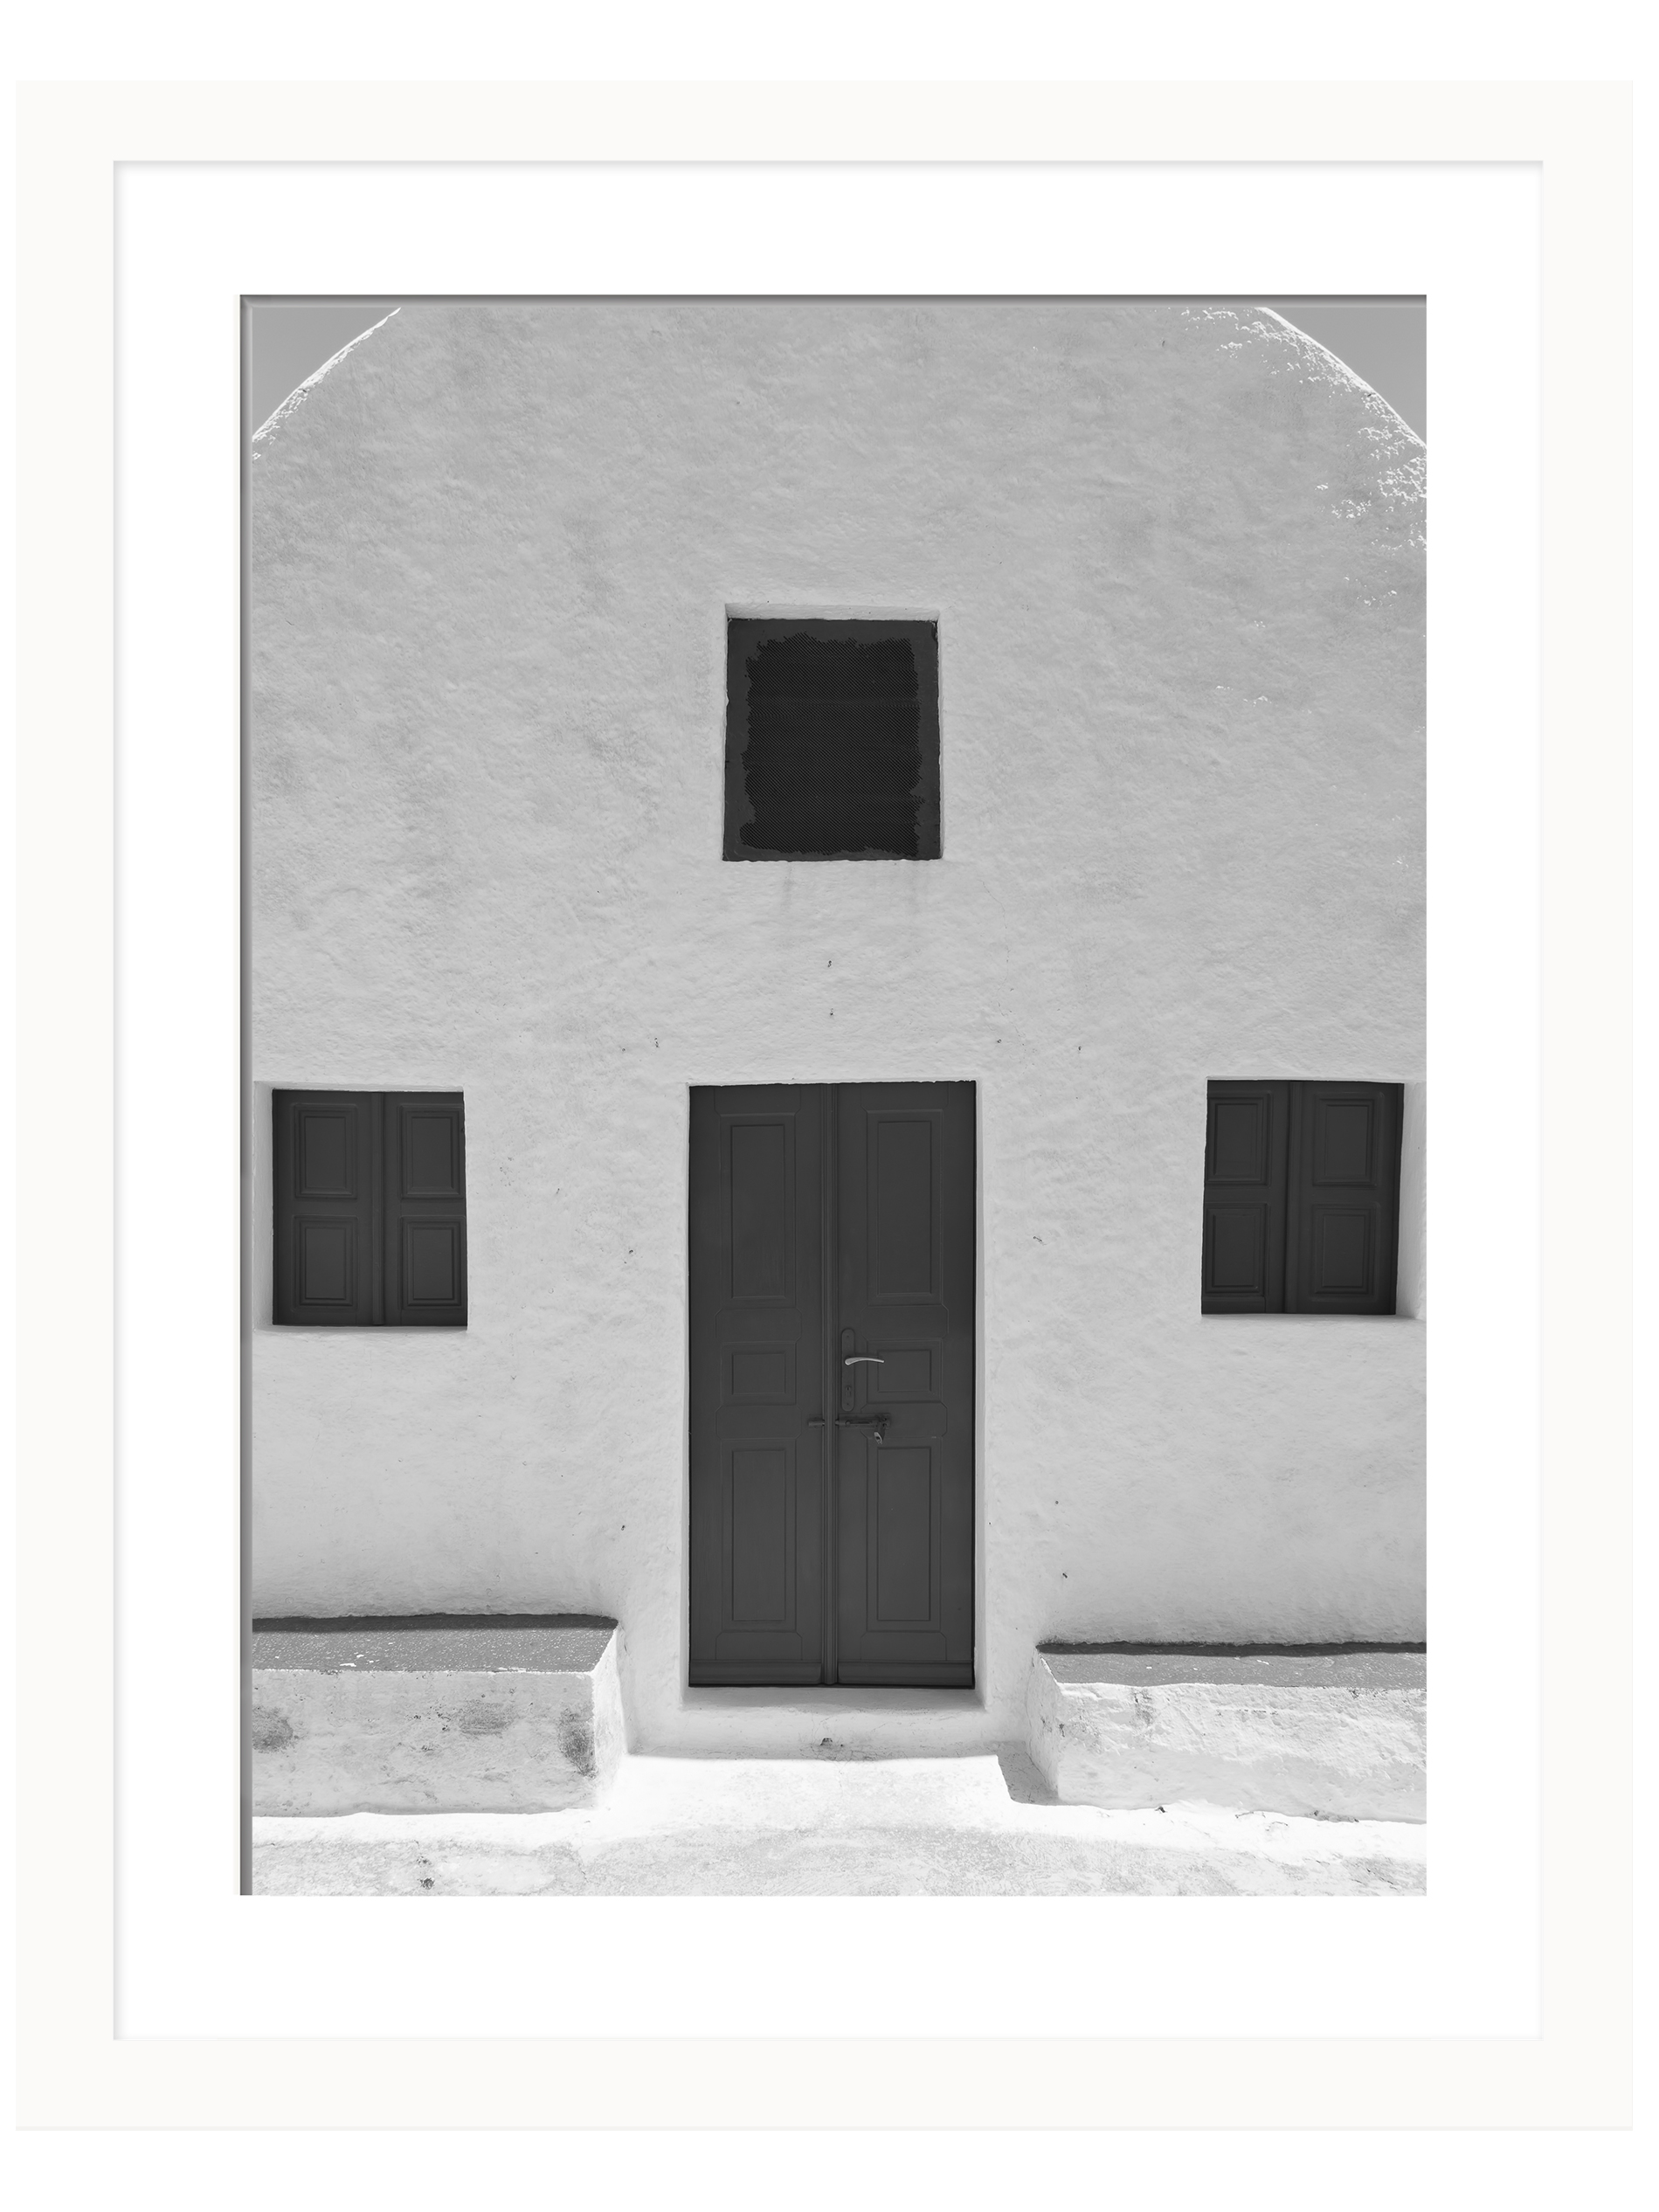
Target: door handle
pixel 864 1359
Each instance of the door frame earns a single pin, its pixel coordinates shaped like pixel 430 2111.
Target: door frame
pixel 866 1697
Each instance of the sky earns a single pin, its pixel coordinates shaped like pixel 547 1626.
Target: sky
pixel 1385 341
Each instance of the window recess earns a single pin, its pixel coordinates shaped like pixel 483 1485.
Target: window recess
pixel 1302 1198
pixel 832 740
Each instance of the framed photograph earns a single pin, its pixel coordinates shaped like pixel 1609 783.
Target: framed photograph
pixel 608 301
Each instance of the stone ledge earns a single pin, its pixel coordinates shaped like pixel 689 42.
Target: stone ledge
pixel 435 1713
pixel 543 1643
pixel 1337 1732
pixel 1311 1666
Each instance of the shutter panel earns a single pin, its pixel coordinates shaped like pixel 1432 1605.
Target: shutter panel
pixel 1244 1197
pixel 1343 1225
pixel 426 1210
pixel 326 1170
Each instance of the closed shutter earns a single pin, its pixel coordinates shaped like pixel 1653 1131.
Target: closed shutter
pixel 425 1265
pixel 325 1169
pixel 371 1208
pixel 1244 1197
pixel 1343 1213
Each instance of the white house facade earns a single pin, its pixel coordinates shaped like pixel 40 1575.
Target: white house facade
pixel 1160 567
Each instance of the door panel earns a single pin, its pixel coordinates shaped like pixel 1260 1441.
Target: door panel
pixel 904 1200
pixel 758 1546
pixel 904 1454
pixel 757 1474
pixel 833 1273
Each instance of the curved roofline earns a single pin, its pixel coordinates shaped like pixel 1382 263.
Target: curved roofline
pixel 298 397
pixel 1352 374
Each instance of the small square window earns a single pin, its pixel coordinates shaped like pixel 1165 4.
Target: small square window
pixel 832 741
pixel 371 1209
pixel 1302 1198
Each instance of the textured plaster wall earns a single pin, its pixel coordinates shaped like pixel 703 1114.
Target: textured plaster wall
pixel 1176 560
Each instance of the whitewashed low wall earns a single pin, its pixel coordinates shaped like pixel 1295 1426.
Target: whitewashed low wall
pixel 355 1718
pixel 1343 1736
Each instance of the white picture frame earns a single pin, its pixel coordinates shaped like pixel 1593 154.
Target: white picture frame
pixel 87 999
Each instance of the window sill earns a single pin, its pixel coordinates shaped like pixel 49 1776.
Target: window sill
pixel 361 1329
pixel 1318 1320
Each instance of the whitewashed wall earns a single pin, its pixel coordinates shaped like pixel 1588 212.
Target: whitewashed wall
pixel 1176 556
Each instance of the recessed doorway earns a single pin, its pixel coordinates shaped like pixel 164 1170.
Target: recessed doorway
pixel 832 1288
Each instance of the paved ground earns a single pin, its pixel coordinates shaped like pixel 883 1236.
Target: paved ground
pixel 913 1826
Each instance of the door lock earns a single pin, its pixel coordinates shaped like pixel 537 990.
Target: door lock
pixel 875 1421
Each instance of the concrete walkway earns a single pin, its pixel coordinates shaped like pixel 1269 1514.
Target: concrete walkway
pixel 976 1826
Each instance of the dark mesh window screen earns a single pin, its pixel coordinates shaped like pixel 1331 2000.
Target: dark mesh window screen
pixel 832 741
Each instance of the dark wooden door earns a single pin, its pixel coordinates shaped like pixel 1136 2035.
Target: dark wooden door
pixel 831 1266
pixel 904 1368
pixel 759 1467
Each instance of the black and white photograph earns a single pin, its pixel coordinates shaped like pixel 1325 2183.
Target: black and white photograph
pixel 774 897
pixel 836 1030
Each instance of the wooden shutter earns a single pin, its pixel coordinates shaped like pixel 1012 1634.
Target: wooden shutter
pixel 325 1169
pixel 371 1208
pixel 1343 1218
pixel 426 1210
pixel 1244 1197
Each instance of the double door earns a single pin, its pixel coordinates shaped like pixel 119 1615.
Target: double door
pixel 831 1267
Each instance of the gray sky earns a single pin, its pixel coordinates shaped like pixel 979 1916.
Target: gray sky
pixel 1383 341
